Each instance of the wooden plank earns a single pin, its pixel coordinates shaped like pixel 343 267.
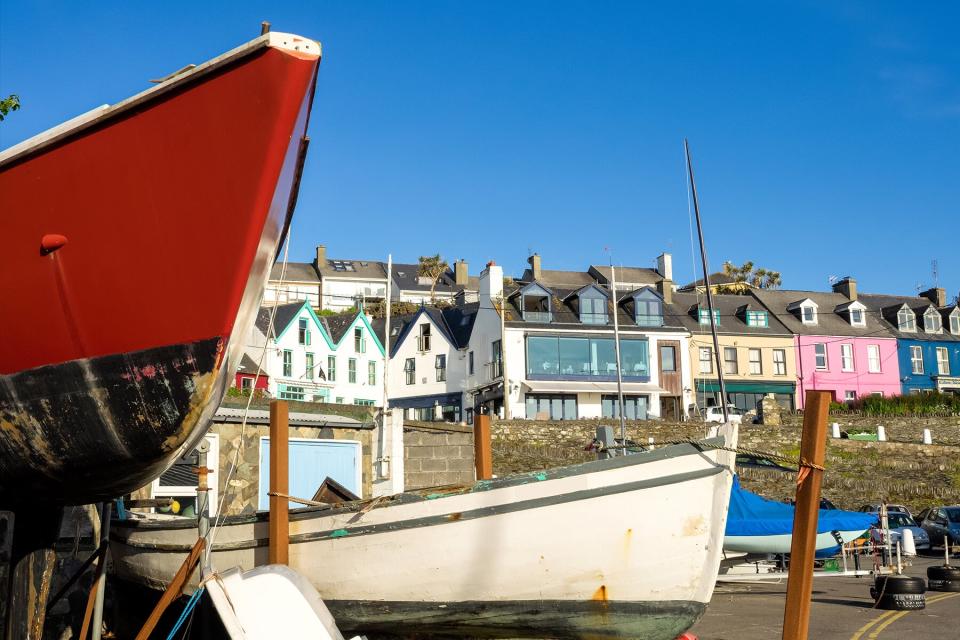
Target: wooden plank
pixel 813 446
pixel 279 527
pixel 31 570
pixel 174 589
pixel 482 453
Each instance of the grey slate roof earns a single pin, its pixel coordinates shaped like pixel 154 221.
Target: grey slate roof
pixel 360 269
pixel 295 272
pixel 733 320
pixel 285 314
pixel 553 278
pixel 636 275
pixel 406 278
pixel 247 365
pixel 456 323
pixel 829 322
pixel 885 308
pixel 716 278
pixel 337 325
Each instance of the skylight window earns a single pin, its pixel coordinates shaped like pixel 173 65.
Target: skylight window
pixel 342 265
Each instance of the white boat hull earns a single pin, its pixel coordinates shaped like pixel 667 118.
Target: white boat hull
pixel 622 548
pixel 781 543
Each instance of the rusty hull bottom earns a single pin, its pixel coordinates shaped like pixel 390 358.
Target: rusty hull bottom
pixel 595 620
pixel 91 430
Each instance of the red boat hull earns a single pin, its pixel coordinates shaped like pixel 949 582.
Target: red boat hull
pixel 134 253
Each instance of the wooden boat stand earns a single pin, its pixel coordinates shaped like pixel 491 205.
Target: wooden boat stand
pixel 30 534
pixel 174 589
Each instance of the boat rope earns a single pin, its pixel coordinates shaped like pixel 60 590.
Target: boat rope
pixel 309 503
pixel 187 610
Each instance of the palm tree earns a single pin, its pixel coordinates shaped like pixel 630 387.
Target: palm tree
pixel 432 267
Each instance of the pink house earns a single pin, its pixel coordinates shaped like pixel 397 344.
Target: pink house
pixel 839 346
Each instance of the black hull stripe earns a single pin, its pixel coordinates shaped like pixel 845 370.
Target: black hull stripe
pixel 429 521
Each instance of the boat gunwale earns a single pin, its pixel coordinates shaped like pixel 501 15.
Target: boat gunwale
pixel 77 125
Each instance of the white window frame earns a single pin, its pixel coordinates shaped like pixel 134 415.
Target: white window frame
pixel 816 357
pixel 705 317
pixel 708 360
pixel 727 363
pixel 932 322
pixel 906 320
pixel 780 366
pixel 873 358
pixel 943 361
pixel 862 322
pixel 916 358
pixel 849 396
pixel 180 491
pixel 758 319
pixel 758 369
pixel 847 363
pixel 803 314
pixel 955 322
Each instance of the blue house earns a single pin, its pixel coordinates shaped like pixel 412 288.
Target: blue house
pixel 928 338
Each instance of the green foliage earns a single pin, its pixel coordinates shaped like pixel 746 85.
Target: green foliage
pixel 921 404
pixel 352 311
pixel 432 267
pixel 234 392
pixel 8 104
pixel 747 274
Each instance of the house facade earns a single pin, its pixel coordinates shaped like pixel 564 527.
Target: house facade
pixel 756 351
pixel 839 347
pixel 928 338
pixel 335 359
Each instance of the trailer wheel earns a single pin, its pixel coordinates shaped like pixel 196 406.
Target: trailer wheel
pixel 943 578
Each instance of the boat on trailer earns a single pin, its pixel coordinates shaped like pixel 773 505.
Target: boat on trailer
pixel 137 241
pixel 627 547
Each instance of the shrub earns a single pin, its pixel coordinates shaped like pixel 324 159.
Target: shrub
pixel 911 404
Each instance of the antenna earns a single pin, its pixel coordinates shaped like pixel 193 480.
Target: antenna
pixel 832 279
pixel 919 287
pixel 935 272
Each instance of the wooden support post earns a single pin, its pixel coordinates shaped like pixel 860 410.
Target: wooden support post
pixel 174 589
pixel 813 446
pixel 32 560
pixel 482 456
pixel 279 528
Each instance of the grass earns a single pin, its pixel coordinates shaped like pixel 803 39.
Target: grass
pixel 914 404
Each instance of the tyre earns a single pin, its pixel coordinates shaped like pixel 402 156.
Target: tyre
pixel 896 585
pixel 902 601
pixel 943 578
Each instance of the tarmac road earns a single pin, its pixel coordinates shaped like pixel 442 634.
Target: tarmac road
pixel 842 609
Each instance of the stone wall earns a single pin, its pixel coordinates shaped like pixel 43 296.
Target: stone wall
pixel 435 456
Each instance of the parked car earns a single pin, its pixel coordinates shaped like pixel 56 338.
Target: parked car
pixel 898 523
pixel 942 524
pixel 891 508
pixel 715 414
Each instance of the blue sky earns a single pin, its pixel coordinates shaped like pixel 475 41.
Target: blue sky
pixel 825 135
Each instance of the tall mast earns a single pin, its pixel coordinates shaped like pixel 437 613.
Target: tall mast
pixel 706 283
pixel 616 342
pixel 386 335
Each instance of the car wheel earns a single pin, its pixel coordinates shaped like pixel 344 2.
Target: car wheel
pixel 899 593
pixel 943 578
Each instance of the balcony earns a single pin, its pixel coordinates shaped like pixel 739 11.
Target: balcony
pixel 537 316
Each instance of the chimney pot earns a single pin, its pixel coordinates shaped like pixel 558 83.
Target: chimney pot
pixel 665 266
pixel 321 256
pixel 936 295
pixel 847 286
pixel 460 273
pixel 665 288
pixel 534 261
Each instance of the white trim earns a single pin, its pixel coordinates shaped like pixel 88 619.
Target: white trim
pixel 188 491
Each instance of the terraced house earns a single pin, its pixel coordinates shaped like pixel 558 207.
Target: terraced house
pixel 756 351
pixel 839 346
pixel 928 338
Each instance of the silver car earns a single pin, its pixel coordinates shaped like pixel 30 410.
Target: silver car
pixel 898 523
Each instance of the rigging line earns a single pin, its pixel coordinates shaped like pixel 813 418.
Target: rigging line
pixel 220 518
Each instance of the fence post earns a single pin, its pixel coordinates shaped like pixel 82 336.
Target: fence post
pixel 927 437
pixel 279 527
pixel 482 454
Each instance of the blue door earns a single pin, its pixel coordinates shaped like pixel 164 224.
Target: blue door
pixel 311 461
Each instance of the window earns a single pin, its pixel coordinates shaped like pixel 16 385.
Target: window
pixel 308 374
pixel 593 307
pixel 849 396
pixel 943 361
pixel 410 370
pixel 359 342
pixel 757 319
pixel 441 367
pixel 470 363
pixel 649 313
pixel 808 314
pixel 705 316
pixel 552 356
pixel 856 317
pixel 668 358
pixel 916 360
pixel 873 358
pixel 246 384
pixel 932 322
pixel 846 357
pixel 352 370
pixel 332 368
pixel 423 344
pixel 363 403
pixel 876 394
pixel 288 392
pixel 634 407
pixel 779 362
pixel 535 304
pixel 706 360
pixel 496 353
pixel 554 407
pixel 730 360
pixel 955 323
pixel 287 363
pixel 820 356
pixel 339 399
pixel 906 321
pixel 303 334
pixel 756 365
pixel 372 373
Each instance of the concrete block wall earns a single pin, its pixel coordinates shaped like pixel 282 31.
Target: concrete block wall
pixel 434 457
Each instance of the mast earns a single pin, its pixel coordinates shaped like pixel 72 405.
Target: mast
pixel 706 283
pixel 386 335
pixel 616 342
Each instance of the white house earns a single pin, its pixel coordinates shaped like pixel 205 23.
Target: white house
pixel 428 362
pixel 558 353
pixel 335 359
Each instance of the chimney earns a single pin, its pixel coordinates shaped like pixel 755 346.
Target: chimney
pixel 665 288
pixel 460 273
pixel 665 266
pixel 936 295
pixel 491 283
pixel 321 256
pixel 534 261
pixel 847 286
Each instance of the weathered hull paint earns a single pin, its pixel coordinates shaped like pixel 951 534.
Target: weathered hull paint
pixel 86 430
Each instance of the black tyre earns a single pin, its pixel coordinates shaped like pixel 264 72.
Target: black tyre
pixel 943 578
pixel 895 585
pixel 902 601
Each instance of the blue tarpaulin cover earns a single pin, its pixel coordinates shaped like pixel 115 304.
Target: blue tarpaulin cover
pixel 753 515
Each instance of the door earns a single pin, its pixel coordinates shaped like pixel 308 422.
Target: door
pixel 312 461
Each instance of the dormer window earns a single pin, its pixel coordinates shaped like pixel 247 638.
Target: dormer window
pixel 648 308
pixel 955 322
pixel 906 320
pixel 856 313
pixel 593 306
pixel 705 316
pixel 856 317
pixel 931 321
pixel 808 314
pixel 757 319
pixel 535 304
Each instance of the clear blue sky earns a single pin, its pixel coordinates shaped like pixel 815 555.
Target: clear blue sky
pixel 825 136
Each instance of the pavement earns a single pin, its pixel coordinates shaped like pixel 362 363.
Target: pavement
pixel 841 609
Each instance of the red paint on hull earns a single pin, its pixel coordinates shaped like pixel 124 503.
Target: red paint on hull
pixel 170 209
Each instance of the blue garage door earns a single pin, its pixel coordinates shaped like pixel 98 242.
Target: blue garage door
pixel 310 462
